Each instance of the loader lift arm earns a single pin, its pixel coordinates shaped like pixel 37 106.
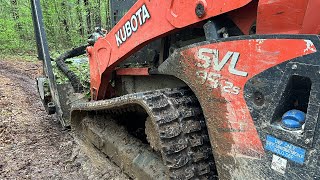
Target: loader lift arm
pixel 144 22
pixel 43 54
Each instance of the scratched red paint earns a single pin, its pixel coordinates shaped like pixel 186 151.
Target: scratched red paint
pixel 255 57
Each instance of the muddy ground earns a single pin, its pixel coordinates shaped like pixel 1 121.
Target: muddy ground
pixel 33 145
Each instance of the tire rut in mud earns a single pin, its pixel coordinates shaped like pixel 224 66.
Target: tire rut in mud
pixel 33 145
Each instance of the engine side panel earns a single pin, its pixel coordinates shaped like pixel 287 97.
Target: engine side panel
pixel 220 74
pixel 145 21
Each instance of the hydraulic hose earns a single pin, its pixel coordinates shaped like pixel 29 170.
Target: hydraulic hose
pixel 60 61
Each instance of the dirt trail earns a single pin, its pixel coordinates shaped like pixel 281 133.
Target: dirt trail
pixel 33 145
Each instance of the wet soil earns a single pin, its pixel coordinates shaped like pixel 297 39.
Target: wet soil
pixel 33 145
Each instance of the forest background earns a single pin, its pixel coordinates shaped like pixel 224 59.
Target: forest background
pixel 68 23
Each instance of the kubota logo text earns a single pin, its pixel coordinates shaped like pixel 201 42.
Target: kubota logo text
pixel 210 61
pixel 132 25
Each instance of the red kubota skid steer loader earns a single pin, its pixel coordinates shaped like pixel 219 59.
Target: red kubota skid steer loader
pixel 198 89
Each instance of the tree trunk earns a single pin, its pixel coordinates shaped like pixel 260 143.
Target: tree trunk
pixel 63 20
pixel 97 13
pixel 15 16
pixel 88 18
pixel 108 15
pixel 79 14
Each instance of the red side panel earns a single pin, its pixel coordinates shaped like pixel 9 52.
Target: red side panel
pixel 145 21
pixel 311 22
pixel 219 71
pixel 285 16
pixel 288 17
pixel 132 71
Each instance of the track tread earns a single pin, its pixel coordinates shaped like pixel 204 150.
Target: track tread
pixel 180 124
pixel 186 152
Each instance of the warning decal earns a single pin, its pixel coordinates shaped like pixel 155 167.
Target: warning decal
pixel 278 164
pixel 285 149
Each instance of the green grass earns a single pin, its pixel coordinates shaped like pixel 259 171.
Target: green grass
pixel 18 57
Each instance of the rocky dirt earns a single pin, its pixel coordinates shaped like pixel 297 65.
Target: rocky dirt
pixel 33 145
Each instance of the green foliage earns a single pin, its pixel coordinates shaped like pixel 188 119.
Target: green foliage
pixel 60 77
pixel 68 24
pixel 80 66
pixel 16 31
pixel 8 35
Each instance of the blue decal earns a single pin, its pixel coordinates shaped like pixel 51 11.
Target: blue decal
pixel 285 149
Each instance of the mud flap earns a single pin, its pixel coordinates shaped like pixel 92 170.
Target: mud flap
pixel 245 85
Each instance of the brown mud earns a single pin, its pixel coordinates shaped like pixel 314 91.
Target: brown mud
pixel 33 145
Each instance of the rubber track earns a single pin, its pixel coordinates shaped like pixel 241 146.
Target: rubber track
pixel 177 116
